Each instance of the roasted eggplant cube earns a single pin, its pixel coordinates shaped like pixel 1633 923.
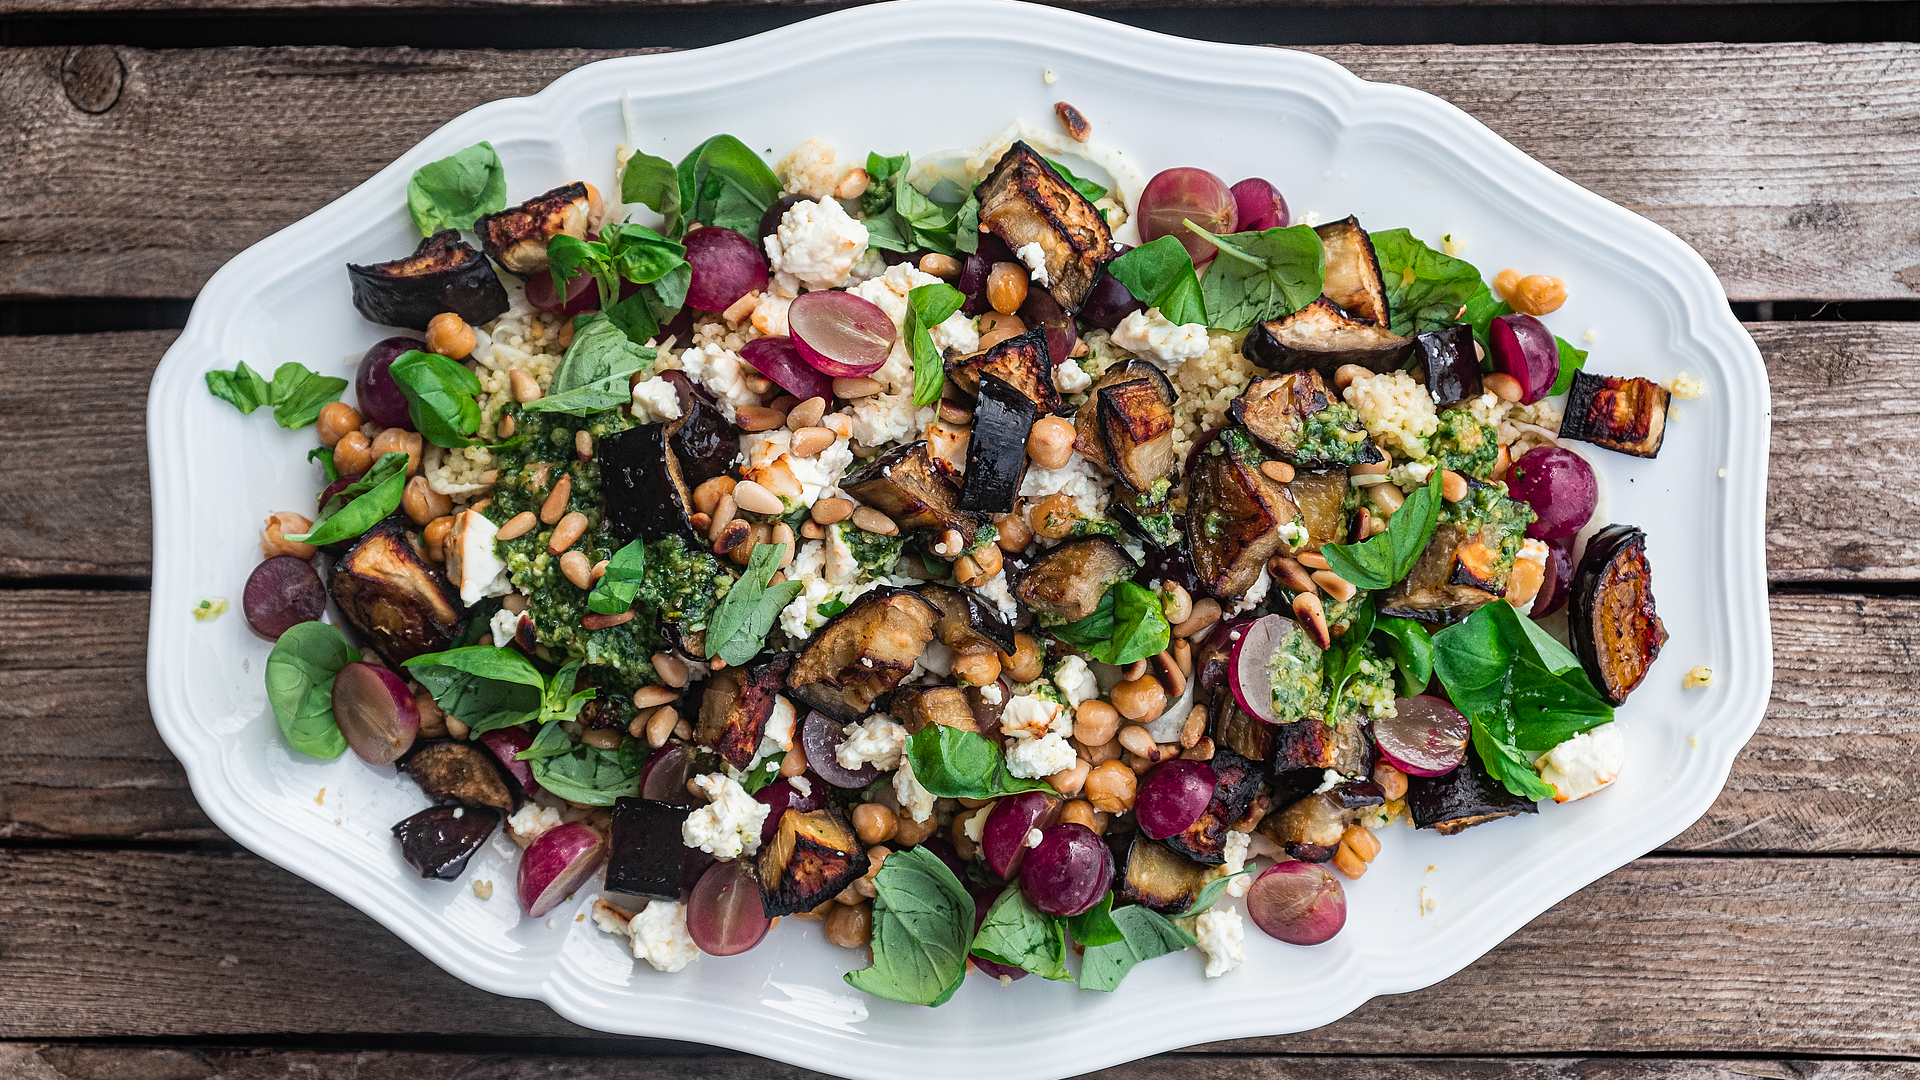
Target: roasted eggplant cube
pixel 1021 362
pixel 451 771
pixel 1307 427
pixel 1237 780
pixel 1617 633
pixel 1136 432
pixel 1452 364
pixel 811 857
pixel 1322 337
pixel 1238 517
pixel 1322 499
pixel 911 486
pixel 1068 581
pixel 1468 561
pixel 917 706
pixel 1309 829
pixel 443 274
pixel 1154 875
pixel 704 442
pixel 863 653
pixel 439 840
pixel 1463 798
pixel 966 621
pixel 517 237
pixel 647 493
pixel 1352 271
pixel 1229 726
pixel 1304 750
pixel 1087 435
pixel 401 603
pixel 1025 201
pixel 647 856
pixel 1628 415
pixel 736 705
pixel 997 453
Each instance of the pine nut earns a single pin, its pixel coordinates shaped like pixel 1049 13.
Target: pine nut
pixel 1345 374
pixel 457 727
pixel 813 530
pixel 1278 470
pixel 1313 618
pixel 1453 486
pixel 505 427
pixel 567 533
pixel 1502 385
pixel 756 382
pixel 1386 498
pixel 1135 738
pixel 707 496
pixel 1195 727
pixel 515 602
pixel 700 522
pixel 1206 612
pixel 1290 575
pixel 1170 675
pixel 854 184
pixel 583 445
pixel 734 538
pixel 723 516
pixel 1075 122
pixel 1337 587
pixel 756 418
pixel 681 728
pixel 783 535
pixel 597 621
pixel 1312 560
pixel 828 511
pixel 574 565
pixel 1134 670
pixel 739 310
pixel 944 267
pixel 671 669
pixel 857 387
pixel 599 571
pixel 1175 603
pixel 524 388
pixel 809 441
pixel 754 499
pixel 555 505
pixel 952 412
pixel 807 414
pixel 1182 651
pixel 648 697
pixel 661 724
pixel 1370 468
pixel 1200 751
pixel 522 524
pixel 602 738
pixel 870 520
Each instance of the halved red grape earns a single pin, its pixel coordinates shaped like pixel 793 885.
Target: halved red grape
pixel 1524 348
pixel 1251 678
pixel 1177 196
pixel 557 863
pixel 1003 839
pixel 1560 487
pixel 726 266
pixel 336 488
pixel 770 221
pixel 1172 797
pixel 1300 903
pixel 1557 585
pixel 724 915
pixel 281 592
pixel 820 737
pixel 379 396
pixel 583 294
pixel 1069 872
pixel 375 711
pixel 779 360
pixel 1425 737
pixel 844 335
pixel 1041 309
pixel 664 777
pixel 506 744
pixel 1260 206
pixel 1108 302
pixel 782 796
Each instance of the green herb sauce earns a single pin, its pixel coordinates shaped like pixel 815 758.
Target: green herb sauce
pixel 1465 445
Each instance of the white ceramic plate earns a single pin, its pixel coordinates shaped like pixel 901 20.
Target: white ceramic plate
pixel 927 75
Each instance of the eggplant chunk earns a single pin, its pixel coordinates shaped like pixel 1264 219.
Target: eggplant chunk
pixel 911 486
pixel 1025 201
pixel 917 706
pixel 517 236
pixel 451 771
pixel 997 453
pixel 1237 516
pixel 439 840
pixel 1237 781
pixel 811 857
pixel 704 442
pixel 400 602
pixel 1229 726
pixel 444 273
pixel 1461 799
pixel 1158 877
pixel 647 493
pixel 1353 279
pixel 1468 561
pixel 1310 828
pixel 1086 421
pixel 1308 427
pixel 1322 499
pixel 1628 415
pixel 1322 337
pixel 1304 750
pixel 735 708
pixel 1451 363
pixel 1616 631
pixel 1136 432
pixel 1021 362
pixel 1068 581
pixel 647 855
pixel 863 653
pixel 966 621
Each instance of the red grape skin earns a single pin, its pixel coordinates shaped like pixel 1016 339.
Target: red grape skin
pixel 1560 486
pixel 724 914
pixel 1524 348
pixel 1176 196
pixel 726 266
pixel 1173 796
pixel 1069 872
pixel 1260 204
pixel 1300 903
pixel 1425 736
pixel 380 398
pixel 281 592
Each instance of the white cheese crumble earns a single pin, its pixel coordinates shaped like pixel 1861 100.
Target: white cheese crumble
pixel 1149 333
pixel 1034 836
pixel 915 801
pixel 990 693
pixel 660 936
pixel 815 247
pixel 530 821
pixel 729 825
pixel 610 919
pixel 1070 378
pixel 878 740
pixel 1328 781
pixel 1256 593
pixel 1223 938
pixel 1035 259
pixel 719 369
pixel 503 625
pixel 1585 763
pixel 1079 479
pixel 1075 679
pixel 1685 387
pixel 779 729
pixel 1036 759
pixel 997 591
pixel 482 572
pixel 655 400
pixel 1236 847
pixel 975 826
pixel 1028 717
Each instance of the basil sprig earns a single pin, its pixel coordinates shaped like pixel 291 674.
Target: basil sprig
pixel 1411 646
pixel 1343 658
pixel 1128 624
pixel 741 621
pixel 927 307
pixel 440 397
pixel 1095 926
pixel 1160 275
pixel 456 191
pixel 589 775
pixel 489 687
pixel 360 505
pixel 296 393
pixel 1145 935
pixel 900 217
pixel 594 374
pixel 626 253
pixel 652 181
pixel 723 182
pixel 1017 934
pixel 1381 561
pixel 300 673
pixel 922 926
pixel 1261 275
pixel 1210 894
pixel 616 589
pixel 955 764
pixel 1088 190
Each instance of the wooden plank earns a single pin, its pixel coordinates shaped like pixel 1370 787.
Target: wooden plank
pixel 1816 778
pixel 1792 168
pixel 1738 956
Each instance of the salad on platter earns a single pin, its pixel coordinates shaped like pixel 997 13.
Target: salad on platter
pixel 1005 570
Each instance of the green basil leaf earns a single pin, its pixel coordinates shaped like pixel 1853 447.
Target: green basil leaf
pixel 1015 933
pixel 1381 561
pixel 742 647
pixel 737 608
pixel 589 775
pixel 558 698
pixel 922 924
pixel 879 195
pixel 298 395
pixel 723 182
pixel 300 673
pixel 652 181
pixel 360 505
pixel 1095 927
pixel 551 740
pixel 1505 763
pixel 760 775
pixel 1147 934
pixel 485 687
pixel 242 388
pixel 1160 275
pixel 634 317
pixel 593 376
pixel 324 456
pixel 1411 646
pixel 1088 190
pixel 1210 894
pixel 440 397
pixel 1425 288
pixel 1128 624
pixel 1571 360
pixel 454 192
pixel 1343 658
pixel 615 590
pixel 955 764
pixel 928 306
pixel 641 255
pixel 1261 275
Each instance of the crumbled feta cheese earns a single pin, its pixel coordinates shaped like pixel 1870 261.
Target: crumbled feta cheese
pixel 802 785
pixel 769 461
pixel 1079 478
pixel 1075 679
pixel 729 825
pixel 811 169
pixel 780 723
pixel 957 332
pixel 482 572
pixel 915 801
pixel 770 314
pixel 660 936
pixel 1223 938
pixel 1036 759
pixel 1685 387
pixel 1150 333
pixel 655 400
pixel 1255 593
pixel 997 591
pixel 1328 781
pixel 1070 378
pixel 531 820
pixel 990 693
pixel 1034 836
pixel 719 369
pixel 1035 258
pixel 1585 763
pixel 886 419
pixel 1034 718
pixel 503 625
pixel 611 919
pixel 816 567
pixel 1697 676
pixel 1237 844
pixel 975 826
pixel 878 740
pixel 815 247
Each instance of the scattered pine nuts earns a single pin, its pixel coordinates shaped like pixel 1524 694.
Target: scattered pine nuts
pixel 598 621
pixel 671 669
pixel 522 524
pixel 809 441
pixel 1453 486
pixel 706 497
pixel 574 565
pixel 756 418
pixel 807 414
pixel 1278 471
pixel 648 697
pixel 1074 121
pixel 555 505
pixel 583 445
pixel 567 533
pixel 873 521
pixel 1313 618
pixel 1290 575
pixel 1504 386
pixel 1337 587
pixel 1313 560
pixel 524 388
pixel 856 387
pixel 754 499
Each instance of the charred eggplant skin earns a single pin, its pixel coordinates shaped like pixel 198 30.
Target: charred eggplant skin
pixel 997 454
pixel 1352 278
pixel 735 708
pixel 840 674
pixel 1025 200
pixel 1308 426
pixel 1068 581
pixel 516 237
pixel 439 840
pixel 648 856
pixel 1625 415
pixel 1461 799
pixel 1235 516
pixel 966 620
pixel 401 603
pixel 1322 337
pixel 812 857
pixel 911 486
pixel 1236 781
pixel 1021 361
pixel 452 771
pixel 443 274
pixel 1154 875
pixel 1617 633
pixel 1452 366
pixel 647 494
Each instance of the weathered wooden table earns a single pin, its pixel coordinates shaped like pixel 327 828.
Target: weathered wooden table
pixel 1778 937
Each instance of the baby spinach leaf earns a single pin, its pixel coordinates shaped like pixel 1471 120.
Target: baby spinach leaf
pixel 1160 275
pixel 736 609
pixel 1015 933
pixel 652 181
pixel 1210 894
pixel 551 740
pixel 1146 934
pixel 1571 360
pixel 300 673
pixel 1261 275
pixel 922 924
pixel 242 388
pixel 1425 288
pixel 641 255
pixel 296 394
pixel 615 590
pixel 1411 647
pixel 440 397
pixel 955 764
pixel 1088 190
pixel 360 505
pixel 1343 658
pixel 900 217
pixel 593 375
pixel 1095 926
pixel 324 456
pixel 1128 624
pixel 928 306
pixel 723 182
pixel 456 191
pixel 746 644
pixel 486 687
pixel 1381 561
pixel 559 700
pixel 589 775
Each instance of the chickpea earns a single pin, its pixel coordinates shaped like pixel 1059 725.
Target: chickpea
pixel 1015 533
pixel 989 559
pixel 1052 517
pixel 1140 699
pixel 911 833
pixel 1538 294
pixel 435 535
pixel 395 441
pixel 1007 287
pixel 1095 722
pixel 433 719
pixel 963 843
pixel 337 418
pixel 1081 812
pixel 849 925
pixel 1110 787
pixel 874 823
pixel 1505 282
pixel 976 669
pixel 422 503
pixel 353 454
pixel 1050 442
pixel 944 267
pixel 1069 782
pixel 273 537
pixel 1023 664
pixel 1098 754
pixel 1392 782
pixel 449 335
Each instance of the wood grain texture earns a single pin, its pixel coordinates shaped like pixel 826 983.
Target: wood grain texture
pixel 1828 771
pixel 1792 168
pixel 1732 955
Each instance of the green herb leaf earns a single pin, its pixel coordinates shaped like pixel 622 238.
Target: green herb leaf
pixel 589 775
pixel 1015 933
pixel 955 764
pixel 615 590
pixel 593 376
pixel 242 388
pixel 440 397
pixel 1146 933
pixel 922 924
pixel 1160 275
pixel 360 505
pixel 761 775
pixel 1210 894
pixel 456 191
pixel 1571 360
pixel 1261 275
pixel 1482 308
pixel 641 255
pixel 551 740
pixel 900 217
pixel 723 182
pixel 1128 624
pixel 486 687
pixel 928 306
pixel 300 673
pixel 559 700
pixel 1425 288
pixel 1411 646
pixel 652 181
pixel 1088 190
pixel 1095 927
pixel 296 394
pixel 738 608
pixel 324 456
pixel 745 645
pixel 1381 561
pixel 1343 658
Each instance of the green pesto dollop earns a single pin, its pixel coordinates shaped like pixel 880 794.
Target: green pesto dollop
pixel 1464 444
